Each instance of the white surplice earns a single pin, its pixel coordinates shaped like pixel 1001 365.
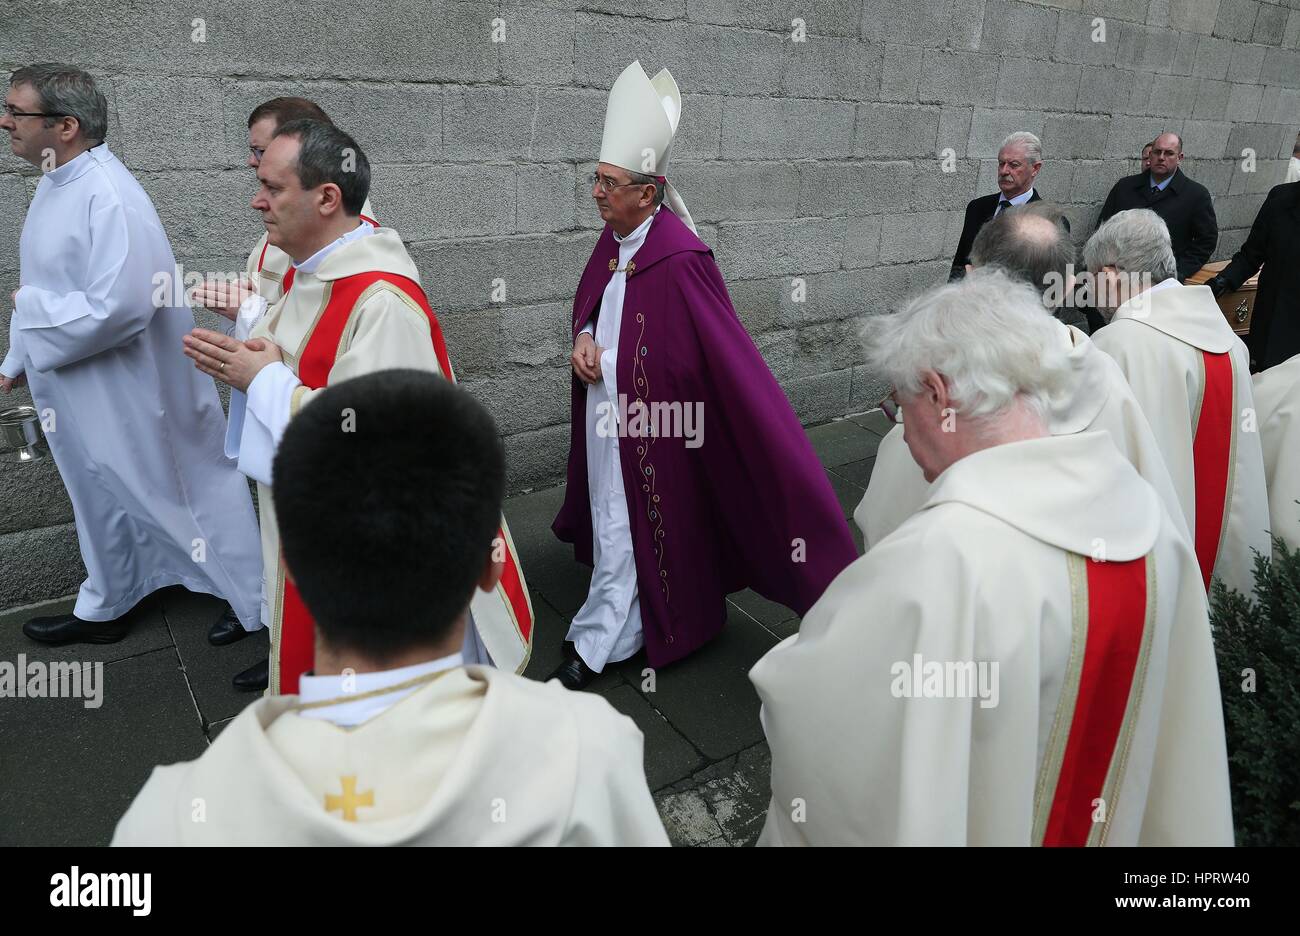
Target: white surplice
pixel 457 756
pixel 607 628
pixel 992 570
pixel 1095 397
pixel 1157 338
pixel 134 429
pixel 1277 406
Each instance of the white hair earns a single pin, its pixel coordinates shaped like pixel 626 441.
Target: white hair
pixel 1133 241
pixel 985 334
pixel 1033 146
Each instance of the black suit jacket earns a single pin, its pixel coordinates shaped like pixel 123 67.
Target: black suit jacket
pixel 979 212
pixel 1274 243
pixel 1186 207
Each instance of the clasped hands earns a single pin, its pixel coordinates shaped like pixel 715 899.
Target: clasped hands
pixel 229 359
pixel 586 358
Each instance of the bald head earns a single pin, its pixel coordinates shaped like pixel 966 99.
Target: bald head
pixel 1166 155
pixel 1031 243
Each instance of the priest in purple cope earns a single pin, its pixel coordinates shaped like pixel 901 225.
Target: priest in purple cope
pixel 689 474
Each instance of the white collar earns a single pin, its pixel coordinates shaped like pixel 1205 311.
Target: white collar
pixel 78 165
pixel 1069 491
pixel 636 238
pixel 321 688
pixel 315 260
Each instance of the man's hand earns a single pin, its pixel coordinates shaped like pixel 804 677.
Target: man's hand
pixel 221 296
pixel 8 383
pixel 586 359
pixel 229 359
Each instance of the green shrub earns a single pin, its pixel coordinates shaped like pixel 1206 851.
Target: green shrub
pixel 1259 642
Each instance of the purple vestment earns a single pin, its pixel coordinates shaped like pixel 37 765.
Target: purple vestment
pixel 750 506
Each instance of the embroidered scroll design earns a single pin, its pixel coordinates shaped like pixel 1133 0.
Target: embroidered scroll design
pixel 654 510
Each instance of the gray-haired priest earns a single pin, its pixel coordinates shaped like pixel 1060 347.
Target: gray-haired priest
pixel 1025 661
pixel 96 329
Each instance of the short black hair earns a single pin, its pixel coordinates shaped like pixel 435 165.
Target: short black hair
pixel 285 109
pixel 327 154
pixel 388 491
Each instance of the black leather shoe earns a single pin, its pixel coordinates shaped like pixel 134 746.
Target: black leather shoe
pixel 574 674
pixel 254 678
pixel 227 629
pixel 68 628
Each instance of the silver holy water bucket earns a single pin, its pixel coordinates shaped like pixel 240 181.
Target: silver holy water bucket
pixel 21 439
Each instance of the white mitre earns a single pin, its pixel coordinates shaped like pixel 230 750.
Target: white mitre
pixel 640 123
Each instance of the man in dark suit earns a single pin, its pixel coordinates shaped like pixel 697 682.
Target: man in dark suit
pixel 1274 243
pixel 1019 161
pixel 1184 205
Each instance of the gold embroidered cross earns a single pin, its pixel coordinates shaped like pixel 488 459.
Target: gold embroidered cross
pixel 350 799
pixel 615 268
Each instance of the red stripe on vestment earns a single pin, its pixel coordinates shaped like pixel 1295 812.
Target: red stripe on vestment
pixel 297 630
pixel 1211 457
pixel 1117 611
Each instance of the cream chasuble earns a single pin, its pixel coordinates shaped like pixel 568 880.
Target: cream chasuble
pixel 1096 397
pixel 1191 375
pixel 1277 405
pixel 978 679
pixel 469 756
pixel 378 324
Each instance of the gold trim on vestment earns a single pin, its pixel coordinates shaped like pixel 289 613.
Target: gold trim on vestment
pixel 1049 771
pixel 277 620
pixel 1200 403
pixel 320 312
pixel 372 693
pixel 380 285
pixel 509 606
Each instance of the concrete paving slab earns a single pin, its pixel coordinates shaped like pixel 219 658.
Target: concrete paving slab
pixel 208 668
pixel 708 696
pixel 842 441
pixel 148 633
pixel 668 756
pixel 69 772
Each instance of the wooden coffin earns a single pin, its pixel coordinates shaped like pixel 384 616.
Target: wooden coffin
pixel 1238 306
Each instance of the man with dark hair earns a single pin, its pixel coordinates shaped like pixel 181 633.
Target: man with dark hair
pixel 1031 244
pixel 356 307
pixel 269 270
pixel 1146 157
pixel 263 284
pixel 472 755
pixel 135 433
pixel 1185 206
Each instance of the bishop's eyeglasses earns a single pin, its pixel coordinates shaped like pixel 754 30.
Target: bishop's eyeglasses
pixel 606 185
